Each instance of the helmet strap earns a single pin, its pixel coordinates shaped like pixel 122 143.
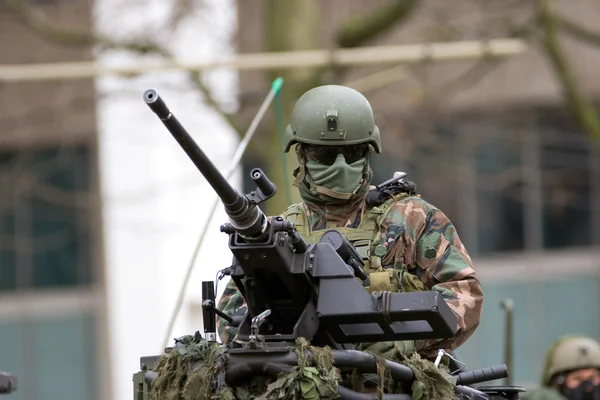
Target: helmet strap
pixel 300 172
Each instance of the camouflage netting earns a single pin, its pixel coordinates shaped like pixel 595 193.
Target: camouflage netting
pixel 189 371
pixel 430 382
pixel 305 381
pixel 194 370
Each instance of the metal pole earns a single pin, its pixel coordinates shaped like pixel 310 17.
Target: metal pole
pixel 275 88
pixel 508 305
pixel 532 196
pixel 594 165
pixel 276 60
pixel 284 164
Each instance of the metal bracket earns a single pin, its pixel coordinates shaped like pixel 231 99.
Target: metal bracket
pixel 442 353
pixel 257 321
pixel 376 301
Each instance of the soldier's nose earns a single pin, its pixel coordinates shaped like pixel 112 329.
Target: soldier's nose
pixel 340 158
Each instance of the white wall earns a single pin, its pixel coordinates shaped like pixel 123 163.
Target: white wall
pixel 155 201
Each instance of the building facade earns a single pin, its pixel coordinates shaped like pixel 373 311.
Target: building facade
pixel 100 208
pixel 52 293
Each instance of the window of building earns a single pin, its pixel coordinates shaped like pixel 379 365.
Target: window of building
pixel 45 218
pixel 522 180
pixel 53 358
pixel 565 161
pixel 499 192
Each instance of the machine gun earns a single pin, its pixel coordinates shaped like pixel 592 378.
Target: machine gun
pixel 294 290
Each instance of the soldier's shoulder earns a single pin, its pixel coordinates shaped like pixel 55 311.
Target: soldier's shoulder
pixel 413 204
pixel 411 212
pixel 293 209
pixel 415 199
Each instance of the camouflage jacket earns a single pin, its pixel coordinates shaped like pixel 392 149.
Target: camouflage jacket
pixel 421 238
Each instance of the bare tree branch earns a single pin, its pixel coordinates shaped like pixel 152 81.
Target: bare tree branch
pixel 577 31
pixel 484 66
pixel 181 9
pixel 582 108
pixel 468 79
pixel 363 28
pixel 42 26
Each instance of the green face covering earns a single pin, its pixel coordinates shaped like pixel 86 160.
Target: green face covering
pixel 339 180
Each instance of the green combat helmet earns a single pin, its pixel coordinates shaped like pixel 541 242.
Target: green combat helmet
pixel 332 115
pixel 571 353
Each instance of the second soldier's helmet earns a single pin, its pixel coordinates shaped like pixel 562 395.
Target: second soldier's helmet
pixel 571 353
pixel 332 115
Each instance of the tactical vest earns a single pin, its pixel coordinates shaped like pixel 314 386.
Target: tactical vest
pixel 366 238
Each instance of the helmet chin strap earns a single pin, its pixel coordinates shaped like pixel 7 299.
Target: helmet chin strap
pixel 300 172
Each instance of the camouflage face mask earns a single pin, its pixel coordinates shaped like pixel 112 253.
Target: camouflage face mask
pixel 338 180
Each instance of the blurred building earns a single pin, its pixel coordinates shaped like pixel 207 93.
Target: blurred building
pixel 492 144
pixel 52 297
pixel 100 208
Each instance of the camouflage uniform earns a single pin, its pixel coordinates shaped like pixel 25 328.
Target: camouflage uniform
pixel 416 240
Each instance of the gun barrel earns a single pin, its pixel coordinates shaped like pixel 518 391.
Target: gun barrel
pixel 227 194
pixel 248 219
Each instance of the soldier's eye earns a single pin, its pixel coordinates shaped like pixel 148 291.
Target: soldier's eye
pixel 321 154
pixel 355 152
pixel 327 155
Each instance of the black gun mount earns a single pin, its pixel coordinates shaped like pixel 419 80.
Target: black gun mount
pixel 293 289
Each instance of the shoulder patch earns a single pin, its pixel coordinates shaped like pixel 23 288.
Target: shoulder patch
pixel 293 209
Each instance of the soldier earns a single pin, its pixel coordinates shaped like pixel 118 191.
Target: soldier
pixel 571 371
pixel 407 244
